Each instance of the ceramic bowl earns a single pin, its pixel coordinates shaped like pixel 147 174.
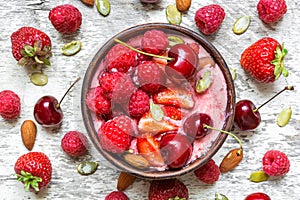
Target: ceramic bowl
pixel 220 105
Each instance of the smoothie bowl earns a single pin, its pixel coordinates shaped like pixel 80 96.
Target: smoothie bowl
pixel 153 100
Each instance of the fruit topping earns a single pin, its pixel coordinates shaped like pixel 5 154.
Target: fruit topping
pixel 139 104
pixel 97 101
pixel 65 18
pixel 10 105
pixel 275 163
pixel 74 143
pixel 173 112
pixel 209 18
pixel 194 125
pixel 208 173
pixel 154 41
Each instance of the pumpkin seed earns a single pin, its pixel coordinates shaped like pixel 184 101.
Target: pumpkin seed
pixel 204 82
pixel 156 111
pixel 71 48
pixel 39 79
pixel 103 7
pixel 233 73
pixel 173 15
pixel 220 197
pixel 87 168
pixel 173 40
pixel 284 117
pixel 258 176
pixel 241 24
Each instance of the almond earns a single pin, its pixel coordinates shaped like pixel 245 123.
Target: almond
pixel 125 180
pixel 231 160
pixel 137 161
pixel 88 2
pixel 183 5
pixel 28 133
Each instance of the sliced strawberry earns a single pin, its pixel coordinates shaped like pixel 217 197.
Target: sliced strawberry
pixel 172 112
pixel 161 61
pixel 149 125
pixel 148 147
pixel 174 97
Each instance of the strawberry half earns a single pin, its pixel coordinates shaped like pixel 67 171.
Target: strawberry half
pixel 34 170
pixel 264 60
pixel 31 47
pixel 172 112
pixel 148 147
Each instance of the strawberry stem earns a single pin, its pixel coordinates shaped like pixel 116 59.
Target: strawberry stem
pixel 284 89
pixel 222 131
pixel 278 62
pixel 142 52
pixel 29 180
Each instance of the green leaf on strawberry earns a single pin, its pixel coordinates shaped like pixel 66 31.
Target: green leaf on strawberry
pixel 29 180
pixel 278 62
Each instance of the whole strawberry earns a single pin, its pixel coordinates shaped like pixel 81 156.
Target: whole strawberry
pixel 10 105
pixel 168 189
pixel 264 60
pixel 271 11
pixel 209 18
pixel 116 195
pixel 34 170
pixel 74 143
pixel 31 47
pixel 65 18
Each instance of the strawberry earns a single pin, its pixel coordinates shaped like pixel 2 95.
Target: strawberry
pixel 209 18
pixel 34 170
pixel 31 47
pixel 174 97
pixel 149 125
pixel 115 135
pixel 148 147
pixel 264 60
pixel 168 189
pixel 172 112
pixel 271 11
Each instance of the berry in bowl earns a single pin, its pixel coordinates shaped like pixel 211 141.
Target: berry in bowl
pixel 153 100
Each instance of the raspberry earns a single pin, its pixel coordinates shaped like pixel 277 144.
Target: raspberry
pixel 108 81
pixel 97 101
pixel 139 104
pixel 154 41
pixel 209 18
pixel 208 173
pixel 275 163
pixel 65 18
pixel 120 58
pixel 123 90
pixel 74 143
pixel 116 195
pixel 271 11
pixel 114 134
pixel 10 105
pixel 167 189
pixel 150 77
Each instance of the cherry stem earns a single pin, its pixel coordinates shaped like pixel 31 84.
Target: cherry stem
pixel 58 105
pixel 142 52
pixel 222 131
pixel 284 89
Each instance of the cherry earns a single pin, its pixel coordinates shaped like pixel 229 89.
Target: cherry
pixel 258 196
pixel 184 62
pixel 194 125
pixel 47 111
pixel 176 149
pixel 247 116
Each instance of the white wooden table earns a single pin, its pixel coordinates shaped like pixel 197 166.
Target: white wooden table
pixel 95 31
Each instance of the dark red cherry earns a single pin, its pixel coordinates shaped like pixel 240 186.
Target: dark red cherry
pixel 176 149
pixel 246 117
pixel 194 125
pixel 184 63
pixel 258 196
pixel 47 111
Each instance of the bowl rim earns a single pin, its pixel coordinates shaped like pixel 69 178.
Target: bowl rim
pixel 215 54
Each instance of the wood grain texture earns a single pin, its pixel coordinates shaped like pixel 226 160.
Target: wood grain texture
pixel 94 32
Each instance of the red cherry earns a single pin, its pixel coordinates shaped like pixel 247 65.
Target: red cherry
pixel 246 117
pixel 47 111
pixel 258 196
pixel 176 149
pixel 194 125
pixel 184 63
